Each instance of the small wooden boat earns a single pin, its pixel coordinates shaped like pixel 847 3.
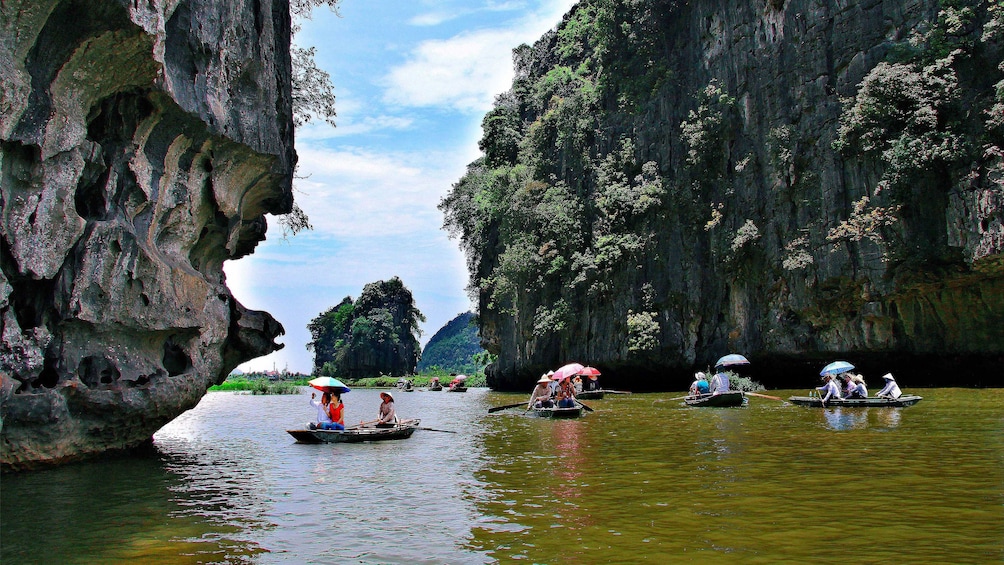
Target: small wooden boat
pixel 357 434
pixel 435 387
pixel 556 412
pixel 730 399
pixel 816 402
pixel 589 395
pixel 457 389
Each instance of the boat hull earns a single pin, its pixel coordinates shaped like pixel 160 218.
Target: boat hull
pixel 731 399
pixel 815 402
pixel 457 389
pixel 557 412
pixel 402 430
pixel 589 395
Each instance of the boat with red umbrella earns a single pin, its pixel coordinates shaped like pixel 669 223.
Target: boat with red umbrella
pixel 589 389
pixel 457 384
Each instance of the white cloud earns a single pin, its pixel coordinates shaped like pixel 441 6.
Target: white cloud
pixel 432 18
pixel 351 192
pixel 466 71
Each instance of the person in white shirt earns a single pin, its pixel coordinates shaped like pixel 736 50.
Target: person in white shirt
pixel 857 388
pixel 891 389
pixel 830 388
pixel 719 383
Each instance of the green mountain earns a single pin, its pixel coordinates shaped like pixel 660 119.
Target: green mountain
pixel 375 335
pixel 454 346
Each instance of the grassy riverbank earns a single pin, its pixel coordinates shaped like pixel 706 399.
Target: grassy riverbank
pixel 262 384
pixel 255 385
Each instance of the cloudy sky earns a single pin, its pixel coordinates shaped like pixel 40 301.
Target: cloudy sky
pixel 413 78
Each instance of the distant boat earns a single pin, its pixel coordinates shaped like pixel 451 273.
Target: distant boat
pixel 590 395
pixel 357 434
pixel 457 388
pixel 875 401
pixel 730 399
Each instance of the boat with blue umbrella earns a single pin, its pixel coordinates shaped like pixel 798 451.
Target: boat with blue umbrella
pixel 723 399
pixel 836 368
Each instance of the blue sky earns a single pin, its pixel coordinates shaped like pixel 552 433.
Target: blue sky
pixel 413 78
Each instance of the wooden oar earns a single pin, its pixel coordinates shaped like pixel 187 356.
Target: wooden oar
pixel 435 430
pixel 361 425
pixel 497 408
pixel 584 406
pixel 764 395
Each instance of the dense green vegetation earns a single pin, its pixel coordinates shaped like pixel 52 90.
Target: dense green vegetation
pixel 579 209
pixel 454 347
pixel 912 115
pixel 372 336
pixel 258 383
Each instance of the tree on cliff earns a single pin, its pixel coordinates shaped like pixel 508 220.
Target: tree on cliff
pixel 313 96
pixel 375 335
pixel 454 346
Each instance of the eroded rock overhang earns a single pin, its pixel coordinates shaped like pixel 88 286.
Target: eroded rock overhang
pixel 141 145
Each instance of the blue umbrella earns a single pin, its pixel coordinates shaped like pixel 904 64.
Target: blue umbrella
pixel 732 359
pixel 329 384
pixel 836 368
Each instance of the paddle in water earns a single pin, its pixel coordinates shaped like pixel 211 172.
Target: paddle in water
pixel 435 430
pixel 497 408
pixel 764 395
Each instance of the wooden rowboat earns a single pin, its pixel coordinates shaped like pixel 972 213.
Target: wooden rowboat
pixel 589 395
pixel 557 412
pixel 357 434
pixel 816 402
pixel 457 389
pixel 730 399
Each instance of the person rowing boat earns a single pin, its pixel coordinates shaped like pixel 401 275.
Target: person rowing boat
pixel 541 395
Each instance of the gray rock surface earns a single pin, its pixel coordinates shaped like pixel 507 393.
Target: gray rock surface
pixel 141 145
pixel 929 303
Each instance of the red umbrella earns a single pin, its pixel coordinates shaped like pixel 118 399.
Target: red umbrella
pixel 567 371
pixel 590 372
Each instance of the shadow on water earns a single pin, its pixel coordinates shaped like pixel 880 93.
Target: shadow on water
pixel 125 509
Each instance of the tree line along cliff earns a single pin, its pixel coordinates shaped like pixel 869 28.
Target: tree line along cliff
pixel 667 182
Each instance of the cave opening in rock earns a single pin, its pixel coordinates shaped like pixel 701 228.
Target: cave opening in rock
pixel 96 370
pixel 176 359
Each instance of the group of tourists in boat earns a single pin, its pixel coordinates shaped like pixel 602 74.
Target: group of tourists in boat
pixel 557 392
pixel 330 425
pixel 841 387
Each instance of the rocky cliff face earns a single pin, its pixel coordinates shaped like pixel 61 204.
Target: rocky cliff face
pixel 141 145
pixel 797 180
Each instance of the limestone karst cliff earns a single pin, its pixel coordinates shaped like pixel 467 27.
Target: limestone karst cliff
pixel 796 180
pixel 141 144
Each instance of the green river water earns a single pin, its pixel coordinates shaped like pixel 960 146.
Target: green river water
pixel 642 479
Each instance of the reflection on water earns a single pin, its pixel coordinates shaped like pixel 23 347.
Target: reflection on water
pixel 844 418
pixel 635 481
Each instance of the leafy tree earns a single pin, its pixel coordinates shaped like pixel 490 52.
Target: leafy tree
pixel 313 96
